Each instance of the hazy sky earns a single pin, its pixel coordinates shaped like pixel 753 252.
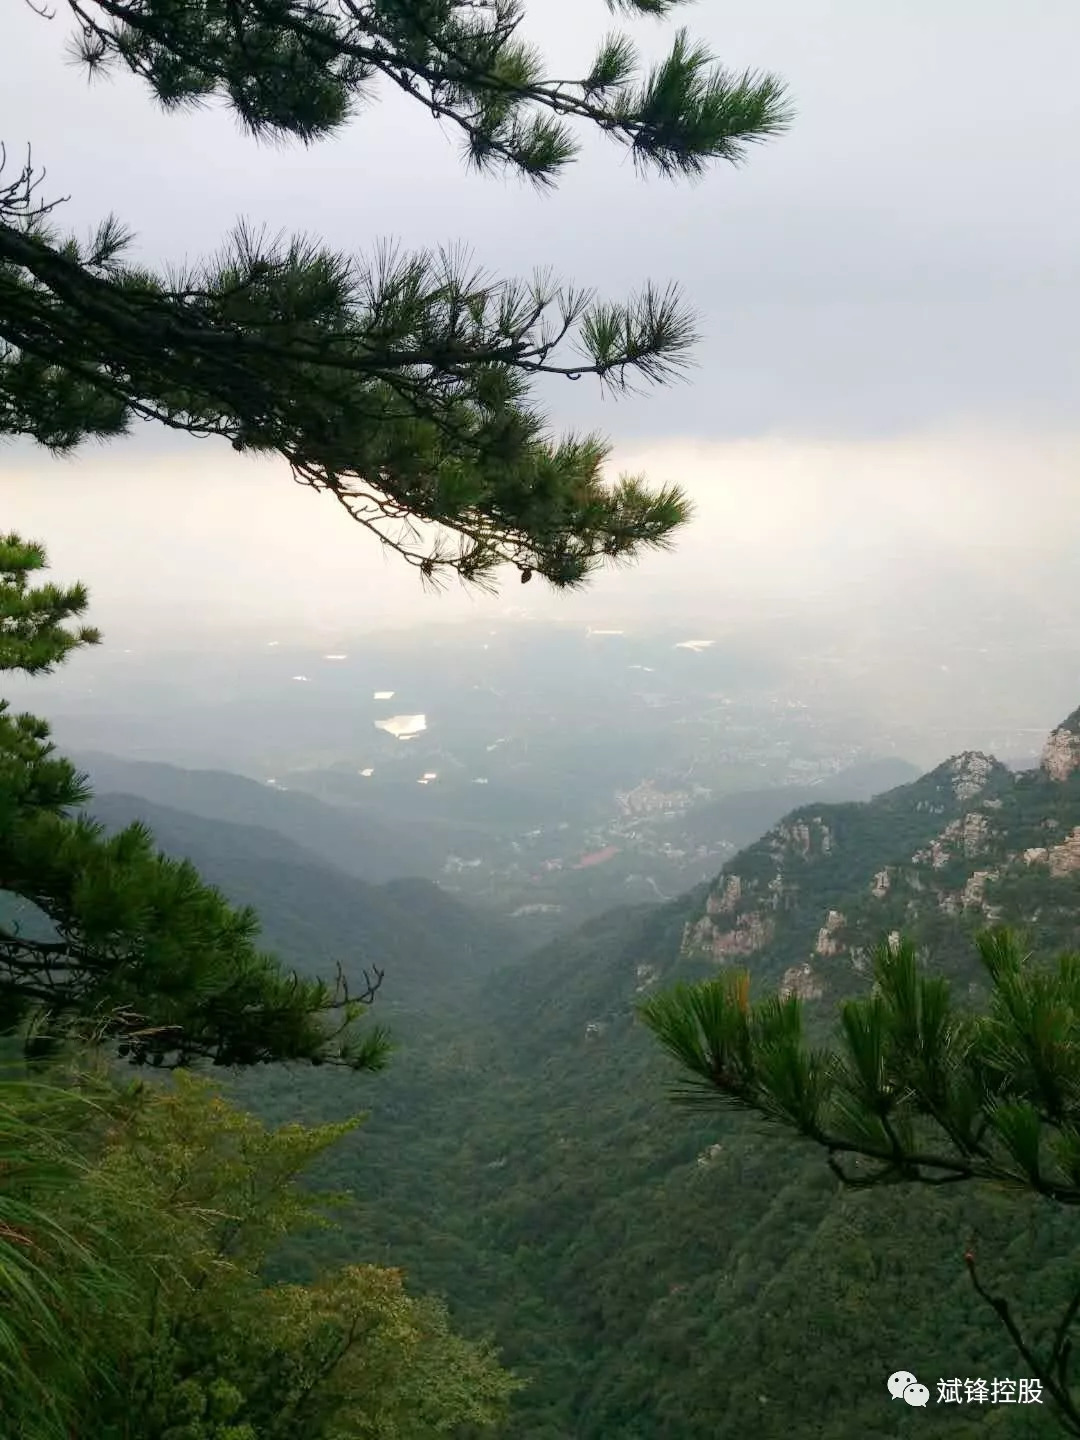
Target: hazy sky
pixel 890 296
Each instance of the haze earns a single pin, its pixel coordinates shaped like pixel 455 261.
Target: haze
pixel 883 406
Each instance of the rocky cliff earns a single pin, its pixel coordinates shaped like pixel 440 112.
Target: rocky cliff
pixel 970 844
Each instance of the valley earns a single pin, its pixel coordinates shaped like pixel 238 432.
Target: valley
pixel 650 1274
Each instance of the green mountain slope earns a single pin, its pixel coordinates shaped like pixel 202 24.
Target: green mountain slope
pixel 316 916
pixel 968 845
pixel 659 1275
pixel 350 838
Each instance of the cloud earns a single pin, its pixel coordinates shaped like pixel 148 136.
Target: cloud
pixel 211 542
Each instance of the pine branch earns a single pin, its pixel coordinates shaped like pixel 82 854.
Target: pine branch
pixel 300 67
pixel 910 1075
pixel 398 384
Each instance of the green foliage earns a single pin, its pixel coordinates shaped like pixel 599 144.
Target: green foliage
pixel 350 1355
pixel 33 637
pixel 399 384
pixel 299 68
pixel 183 1198
pixel 920 1089
pixel 54 1279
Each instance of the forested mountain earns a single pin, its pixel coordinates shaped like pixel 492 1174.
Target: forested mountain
pixel 350 838
pixel 968 845
pixel 315 915
pixel 507 846
pixel 657 1274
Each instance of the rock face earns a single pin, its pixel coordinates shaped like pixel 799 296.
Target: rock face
pixel 1061 753
pixel 802 837
pixel 800 980
pixel 970 772
pixel 972 893
pixel 1061 859
pixel 971 896
pixel 729 897
pixel 1065 858
pixel 751 932
pixel 827 943
pixel 967 836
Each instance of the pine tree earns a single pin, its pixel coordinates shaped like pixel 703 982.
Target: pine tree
pixel 109 940
pixel 400 383
pixel 917 1091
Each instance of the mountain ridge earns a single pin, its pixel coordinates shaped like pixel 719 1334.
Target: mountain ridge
pixel 827 882
pixel 316 914
pixel 350 838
